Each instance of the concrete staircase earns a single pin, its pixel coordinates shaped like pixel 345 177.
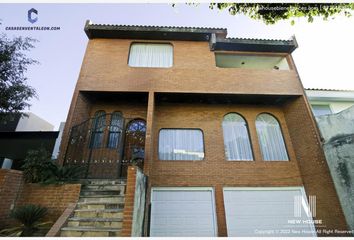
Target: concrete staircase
pixel 99 212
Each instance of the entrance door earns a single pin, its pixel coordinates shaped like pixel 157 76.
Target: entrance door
pixel 134 146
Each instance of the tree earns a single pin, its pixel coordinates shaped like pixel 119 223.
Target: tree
pixel 15 92
pixel 271 13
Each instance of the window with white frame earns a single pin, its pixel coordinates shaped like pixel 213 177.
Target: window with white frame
pixel 151 55
pixel 270 138
pixel 236 139
pixel 181 144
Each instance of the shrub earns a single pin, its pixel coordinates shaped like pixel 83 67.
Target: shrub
pixel 37 166
pixel 65 174
pixel 29 216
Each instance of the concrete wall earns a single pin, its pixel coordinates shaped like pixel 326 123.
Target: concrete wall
pixel 139 204
pixel 58 141
pixel 134 203
pixel 33 123
pixel 338 133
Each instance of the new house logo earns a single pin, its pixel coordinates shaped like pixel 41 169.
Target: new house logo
pixel 300 203
pixel 32 15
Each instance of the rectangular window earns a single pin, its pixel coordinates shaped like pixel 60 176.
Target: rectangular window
pixel 151 55
pixel 319 110
pixel 226 60
pixel 181 144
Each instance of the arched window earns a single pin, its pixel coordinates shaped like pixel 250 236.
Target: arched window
pixel 115 130
pixel 236 139
pixel 97 128
pixel 270 138
pixel 135 139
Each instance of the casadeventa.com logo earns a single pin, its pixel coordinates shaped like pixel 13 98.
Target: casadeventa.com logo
pixel 32 17
pixel 31 13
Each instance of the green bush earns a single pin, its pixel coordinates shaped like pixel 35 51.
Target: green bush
pixel 65 174
pixel 38 167
pixel 29 216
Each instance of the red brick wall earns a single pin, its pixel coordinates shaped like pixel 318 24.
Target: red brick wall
pixel 13 191
pixel 129 203
pixel 10 185
pixel 313 165
pixel 54 197
pixel 215 171
pixel 105 68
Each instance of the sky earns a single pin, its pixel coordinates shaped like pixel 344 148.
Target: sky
pixel 323 59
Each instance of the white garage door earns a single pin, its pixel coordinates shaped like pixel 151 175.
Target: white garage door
pixel 183 212
pixel 267 212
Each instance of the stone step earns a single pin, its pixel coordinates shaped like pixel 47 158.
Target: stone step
pixel 89 192
pixel 98 213
pixel 89 232
pixel 102 198
pixel 99 205
pixel 102 181
pixel 95 222
pixel 118 187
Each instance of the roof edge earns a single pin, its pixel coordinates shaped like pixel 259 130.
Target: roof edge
pixel 216 37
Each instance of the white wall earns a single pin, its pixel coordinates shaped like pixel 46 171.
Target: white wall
pixel 338 100
pixel 336 107
pixel 33 123
pixel 58 141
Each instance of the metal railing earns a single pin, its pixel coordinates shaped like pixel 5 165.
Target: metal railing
pixel 97 145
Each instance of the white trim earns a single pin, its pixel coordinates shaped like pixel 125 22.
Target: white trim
pixel 263 188
pixel 211 189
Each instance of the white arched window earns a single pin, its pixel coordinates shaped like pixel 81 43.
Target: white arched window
pixel 236 139
pixel 270 138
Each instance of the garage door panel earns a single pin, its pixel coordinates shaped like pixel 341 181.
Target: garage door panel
pixel 282 209
pixel 187 208
pixel 182 213
pixel 261 195
pixel 182 233
pixel 175 195
pixel 252 211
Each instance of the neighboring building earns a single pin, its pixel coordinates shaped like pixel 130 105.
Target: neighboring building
pixel 221 127
pixel 334 111
pixel 18 135
pixel 58 141
pixel 329 101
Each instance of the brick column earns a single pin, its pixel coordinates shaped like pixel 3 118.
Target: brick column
pixel 129 202
pixel 220 211
pixel 149 134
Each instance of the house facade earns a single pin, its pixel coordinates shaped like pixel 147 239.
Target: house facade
pixel 334 113
pixel 19 134
pixel 329 101
pixel 220 126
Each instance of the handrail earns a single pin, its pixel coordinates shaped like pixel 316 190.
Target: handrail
pixel 61 221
